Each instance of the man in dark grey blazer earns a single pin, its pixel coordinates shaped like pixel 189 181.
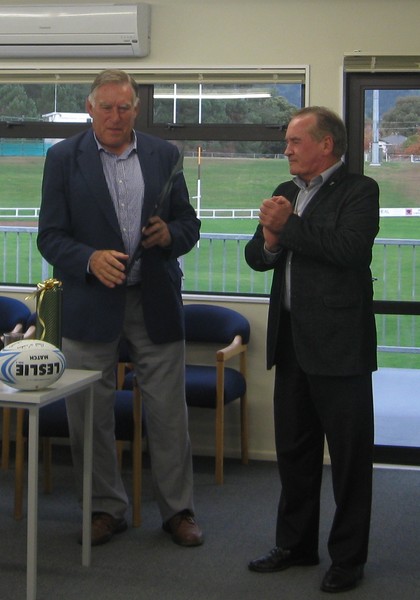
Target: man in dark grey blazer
pixel 101 204
pixel 316 233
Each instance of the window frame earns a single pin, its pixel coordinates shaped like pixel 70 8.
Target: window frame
pixel 147 79
pixel 356 83
pixel 16 128
pixel 175 131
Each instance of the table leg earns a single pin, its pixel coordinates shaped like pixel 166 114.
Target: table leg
pixel 5 447
pixel 32 530
pixel 19 464
pixel 87 479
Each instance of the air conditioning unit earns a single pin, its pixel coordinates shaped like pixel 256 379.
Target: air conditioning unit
pixel 86 30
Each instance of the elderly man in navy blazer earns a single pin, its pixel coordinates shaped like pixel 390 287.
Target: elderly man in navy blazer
pixel 316 233
pixel 114 242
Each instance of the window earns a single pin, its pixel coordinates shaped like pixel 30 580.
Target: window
pixel 383 120
pixel 229 124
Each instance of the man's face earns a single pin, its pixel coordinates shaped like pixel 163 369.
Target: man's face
pixel 307 156
pixel 113 113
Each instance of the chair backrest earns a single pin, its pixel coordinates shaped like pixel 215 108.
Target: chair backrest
pixel 218 324
pixel 12 312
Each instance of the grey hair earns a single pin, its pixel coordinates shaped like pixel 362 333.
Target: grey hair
pixel 327 123
pixel 113 76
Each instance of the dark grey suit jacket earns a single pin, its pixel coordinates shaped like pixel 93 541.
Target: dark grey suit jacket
pixel 332 316
pixel 77 216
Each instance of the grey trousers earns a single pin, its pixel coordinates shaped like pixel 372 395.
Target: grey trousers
pixel 160 369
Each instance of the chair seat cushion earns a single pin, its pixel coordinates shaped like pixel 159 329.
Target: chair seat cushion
pixel 200 385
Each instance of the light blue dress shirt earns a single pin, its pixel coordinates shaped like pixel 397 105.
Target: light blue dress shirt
pixel 126 186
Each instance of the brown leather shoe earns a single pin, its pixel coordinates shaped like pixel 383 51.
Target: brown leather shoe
pixel 104 526
pixel 184 529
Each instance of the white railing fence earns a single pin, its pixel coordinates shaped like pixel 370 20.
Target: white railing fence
pixel 217 266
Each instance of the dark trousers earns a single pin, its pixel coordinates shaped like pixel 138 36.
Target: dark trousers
pixel 307 408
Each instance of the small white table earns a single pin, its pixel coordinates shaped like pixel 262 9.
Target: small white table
pixel 72 381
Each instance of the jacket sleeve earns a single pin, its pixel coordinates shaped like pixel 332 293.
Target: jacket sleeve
pixel 254 249
pixel 339 227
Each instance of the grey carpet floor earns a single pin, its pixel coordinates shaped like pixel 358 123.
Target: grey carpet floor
pixel 238 519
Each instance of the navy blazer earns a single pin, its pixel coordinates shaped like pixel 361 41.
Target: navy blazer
pixel 332 316
pixel 77 217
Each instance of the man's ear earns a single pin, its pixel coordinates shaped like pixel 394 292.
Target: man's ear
pixel 328 144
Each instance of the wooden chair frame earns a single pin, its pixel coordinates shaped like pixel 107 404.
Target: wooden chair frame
pixel 7 412
pixel 236 348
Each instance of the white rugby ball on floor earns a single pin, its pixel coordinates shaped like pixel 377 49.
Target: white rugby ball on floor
pixel 31 364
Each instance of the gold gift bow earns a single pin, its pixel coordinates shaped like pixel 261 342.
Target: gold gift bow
pixel 44 286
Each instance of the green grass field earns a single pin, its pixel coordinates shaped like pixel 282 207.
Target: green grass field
pixel 225 183
pixel 244 183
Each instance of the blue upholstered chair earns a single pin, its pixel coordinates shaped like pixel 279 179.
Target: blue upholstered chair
pixel 53 424
pixel 30 329
pixel 224 334
pixel 213 384
pixel 14 315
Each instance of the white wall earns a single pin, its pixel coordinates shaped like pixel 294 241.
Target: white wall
pixel 248 33
pixel 264 33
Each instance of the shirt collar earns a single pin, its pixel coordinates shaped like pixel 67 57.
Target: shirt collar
pixel 319 179
pixel 131 148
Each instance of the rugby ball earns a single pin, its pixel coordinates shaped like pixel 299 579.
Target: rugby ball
pixel 31 364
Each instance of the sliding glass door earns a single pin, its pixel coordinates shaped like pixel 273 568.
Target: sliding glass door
pixel 383 120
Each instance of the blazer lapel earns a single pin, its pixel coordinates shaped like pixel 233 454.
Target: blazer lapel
pixel 324 191
pixel 151 176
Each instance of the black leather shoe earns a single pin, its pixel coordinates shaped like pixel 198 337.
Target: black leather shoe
pixel 279 559
pixel 341 579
